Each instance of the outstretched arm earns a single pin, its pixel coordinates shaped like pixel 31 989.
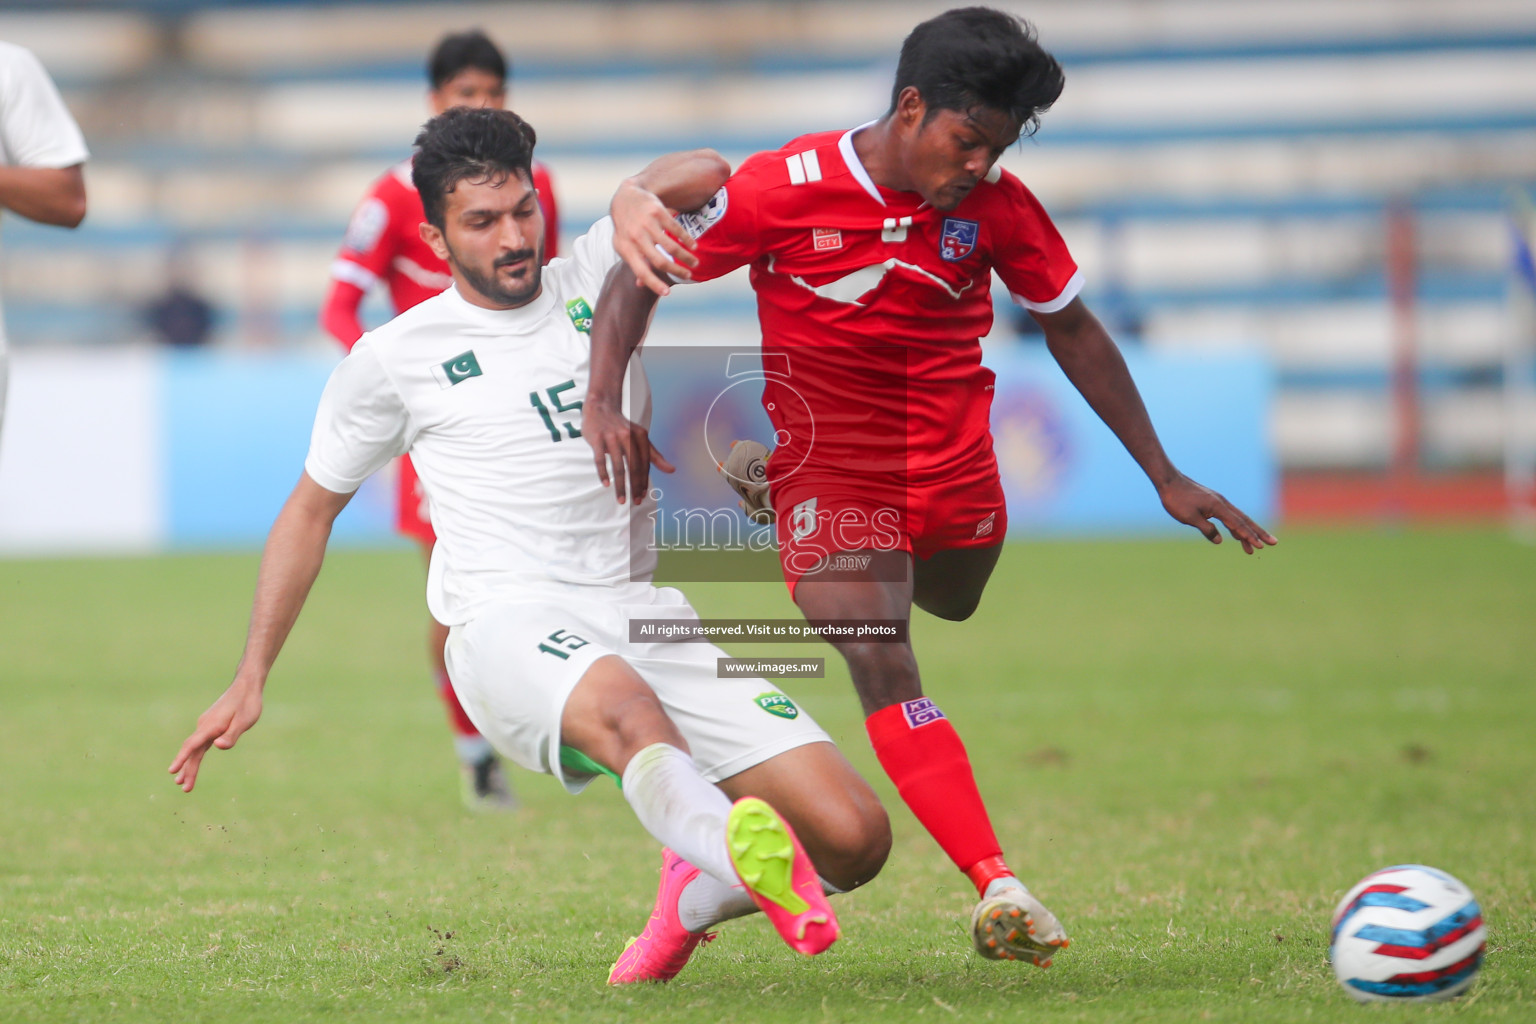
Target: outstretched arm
pixel 289 564
pixel 645 234
pixel 48 195
pixel 1088 356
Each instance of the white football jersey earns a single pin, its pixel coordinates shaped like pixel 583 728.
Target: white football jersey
pixel 488 403
pixel 36 129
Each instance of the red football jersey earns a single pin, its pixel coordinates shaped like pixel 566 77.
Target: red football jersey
pixel 873 303
pixel 383 239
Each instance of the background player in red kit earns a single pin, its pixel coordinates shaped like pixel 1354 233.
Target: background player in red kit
pixel 384 244
pixel 871 253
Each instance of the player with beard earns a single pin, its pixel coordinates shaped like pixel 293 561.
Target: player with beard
pixel 532 569
pixel 384 246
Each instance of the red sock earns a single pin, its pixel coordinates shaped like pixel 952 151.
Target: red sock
pixel 460 722
pixel 923 755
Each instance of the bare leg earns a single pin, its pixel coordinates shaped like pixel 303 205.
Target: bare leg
pixel 615 718
pixel 915 742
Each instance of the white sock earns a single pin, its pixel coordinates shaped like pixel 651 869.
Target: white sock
pixel 706 902
pixel 1000 883
pixel 680 807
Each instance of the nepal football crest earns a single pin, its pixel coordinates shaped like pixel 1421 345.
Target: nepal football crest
pixel 958 238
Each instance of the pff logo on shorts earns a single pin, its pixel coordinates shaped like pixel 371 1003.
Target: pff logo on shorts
pixel 777 704
pixel 802 521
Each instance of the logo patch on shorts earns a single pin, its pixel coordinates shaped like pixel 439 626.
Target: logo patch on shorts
pixel 777 704
pixel 802 521
pixel 985 527
pixel 920 712
pixel 457 370
pixel 826 238
pixel 580 314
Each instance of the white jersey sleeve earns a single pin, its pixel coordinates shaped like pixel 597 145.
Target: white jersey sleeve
pixel 361 423
pixel 592 256
pixel 36 129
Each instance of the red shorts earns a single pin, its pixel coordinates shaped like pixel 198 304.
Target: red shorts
pixel 412 517
pixel 821 513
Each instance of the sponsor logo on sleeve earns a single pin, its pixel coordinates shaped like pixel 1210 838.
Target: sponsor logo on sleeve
pixel 826 238
pixel 777 704
pixel 958 238
pixel 456 370
pixel 580 313
pixel 366 226
pixel 696 222
pixel 920 712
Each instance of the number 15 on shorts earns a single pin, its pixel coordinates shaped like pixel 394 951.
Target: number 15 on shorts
pixel 562 643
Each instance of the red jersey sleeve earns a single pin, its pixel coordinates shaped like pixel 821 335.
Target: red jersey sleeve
pixel 1032 259
pixel 728 227
pixel 546 188
pixel 369 246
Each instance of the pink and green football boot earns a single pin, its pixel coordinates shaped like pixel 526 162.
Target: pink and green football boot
pixel 779 877
pixel 663 949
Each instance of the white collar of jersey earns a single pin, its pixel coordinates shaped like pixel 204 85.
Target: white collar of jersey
pixel 856 166
pixel 507 321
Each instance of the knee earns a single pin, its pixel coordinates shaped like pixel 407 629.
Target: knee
pixel 639 721
pixel 855 846
pixel 630 725
pixel 950 607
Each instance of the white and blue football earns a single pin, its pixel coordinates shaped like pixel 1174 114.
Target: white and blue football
pixel 1407 933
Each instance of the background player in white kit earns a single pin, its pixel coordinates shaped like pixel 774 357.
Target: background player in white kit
pixel 41 154
pixel 483 384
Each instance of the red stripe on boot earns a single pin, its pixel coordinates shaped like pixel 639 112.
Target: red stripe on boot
pixel 924 757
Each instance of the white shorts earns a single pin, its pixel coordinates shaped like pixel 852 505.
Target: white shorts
pixel 514 665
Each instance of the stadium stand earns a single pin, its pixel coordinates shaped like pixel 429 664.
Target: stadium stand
pixel 1224 172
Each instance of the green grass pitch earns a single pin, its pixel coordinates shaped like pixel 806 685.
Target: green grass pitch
pixel 1189 754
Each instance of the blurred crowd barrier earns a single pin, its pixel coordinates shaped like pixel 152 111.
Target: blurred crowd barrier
pixel 206 445
pixel 1224 172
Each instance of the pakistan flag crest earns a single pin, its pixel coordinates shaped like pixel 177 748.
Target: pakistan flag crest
pixel 457 370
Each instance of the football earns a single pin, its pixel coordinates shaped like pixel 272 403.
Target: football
pixel 1407 933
